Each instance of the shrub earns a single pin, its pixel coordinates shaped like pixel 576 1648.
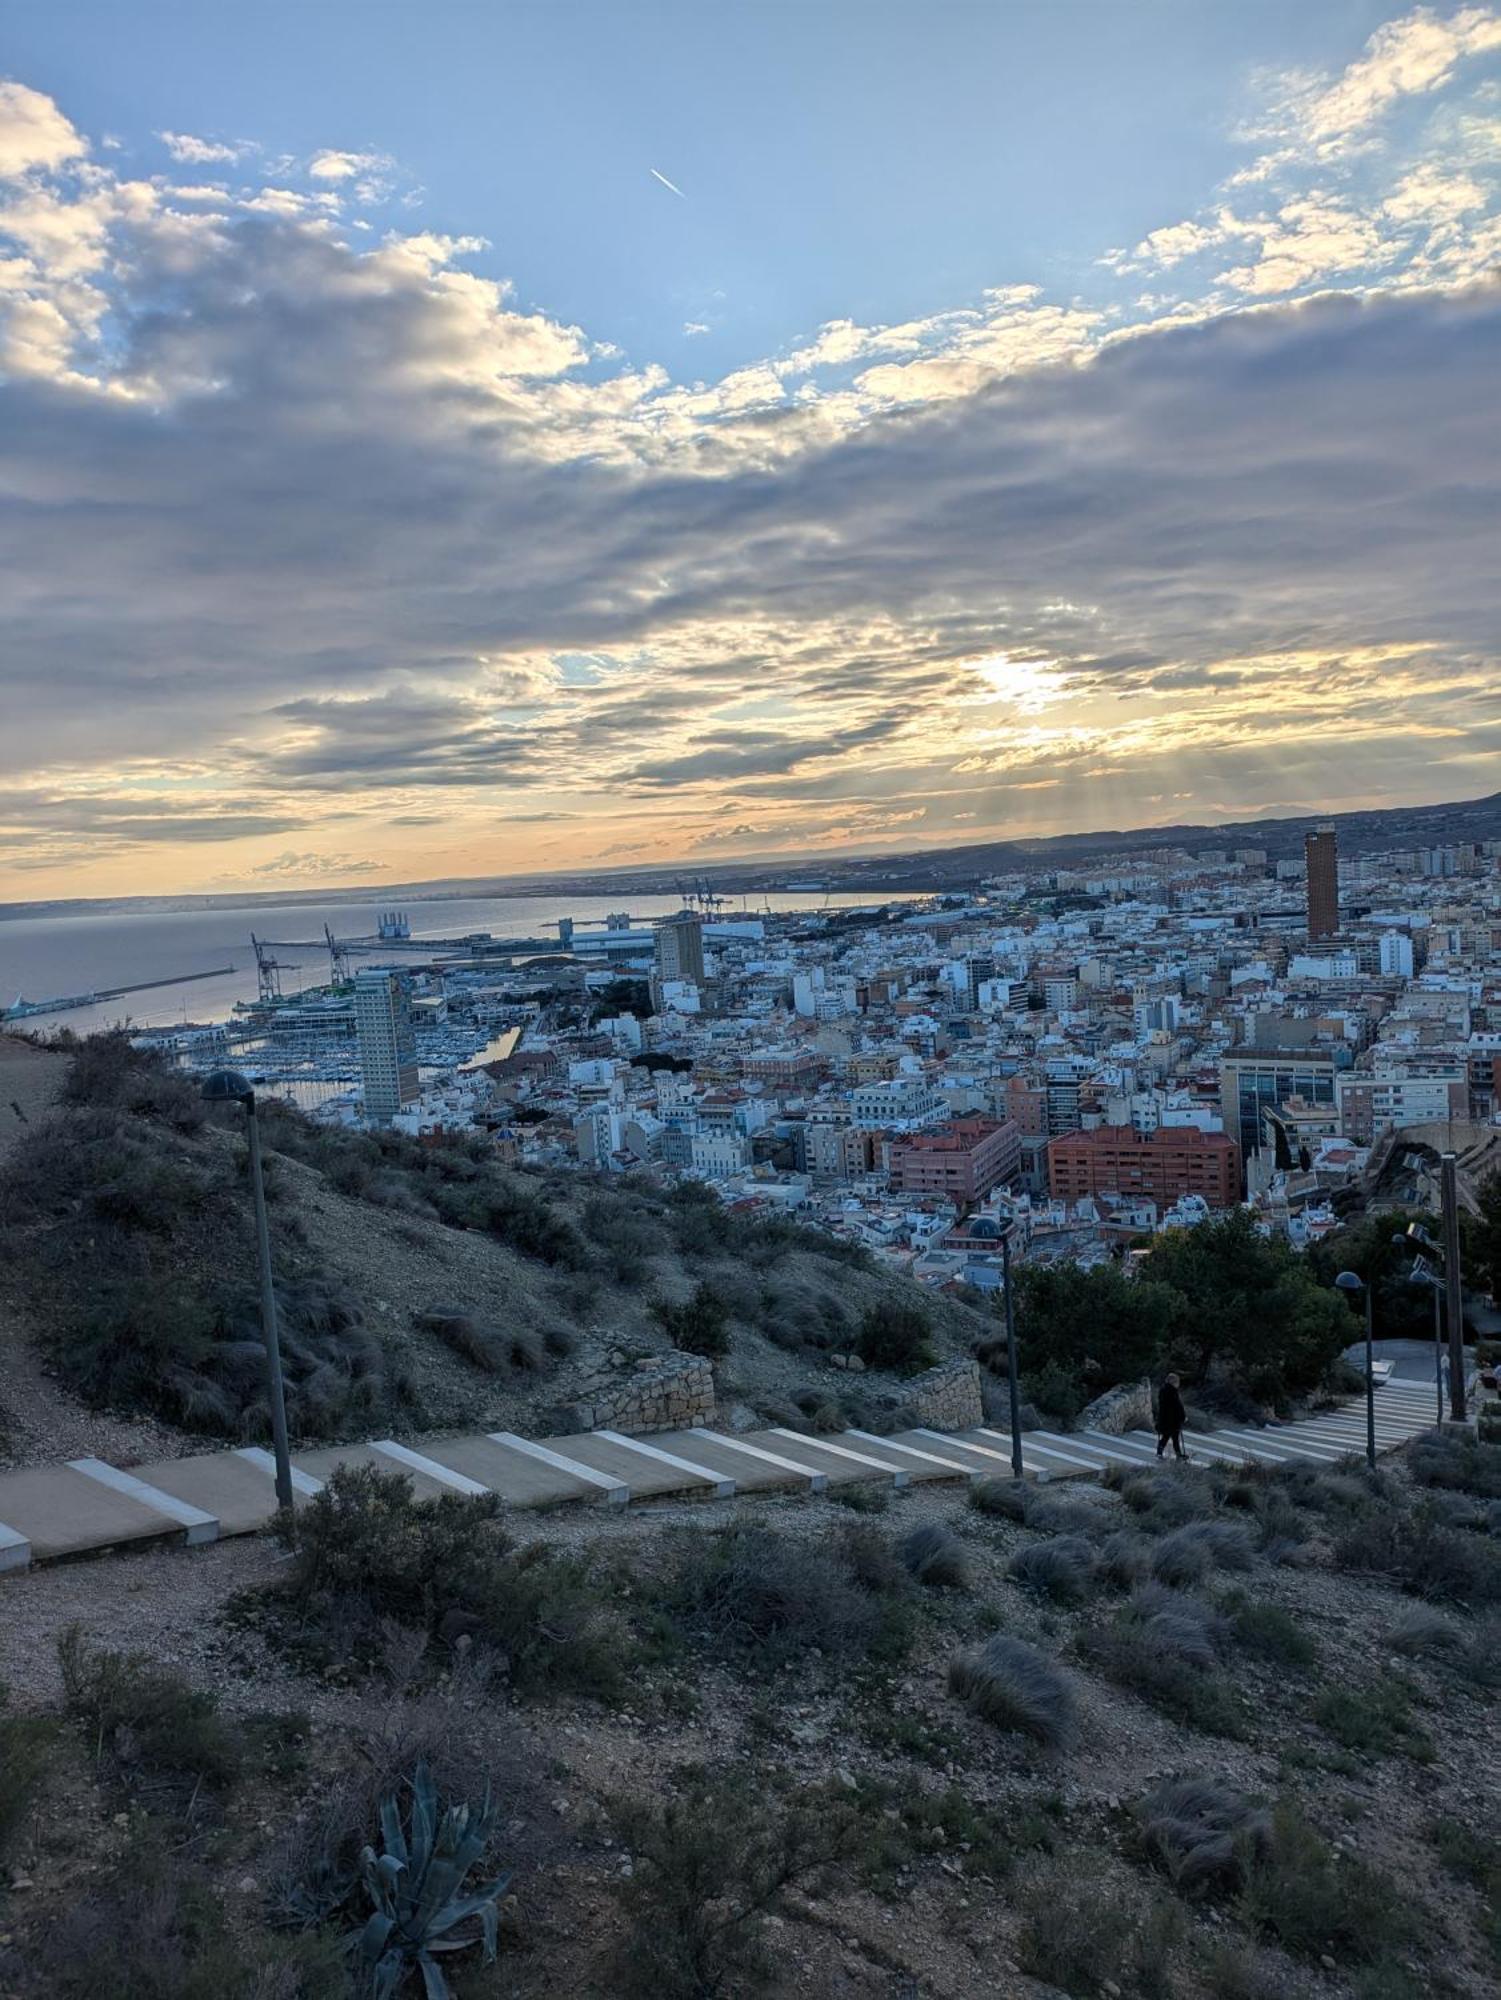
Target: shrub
pixel 1373 1720
pixel 626 1237
pixel 1167 1499
pixel 1460 1464
pixel 1427 1560
pixel 1056 1393
pixel 495 1349
pixel 1187 1554
pixel 893 1334
pixel 1079 1932
pixel 1013 1686
pixel 1063 1569
pixel 1124 1559
pixel 1316 1906
pixel 1205 1835
pixel 1165 1655
pixel 1422 1634
pixel 747 1592
pixel 936 1556
pixel 370 1556
pixel 700 1325
pixel 147 1727
pixel 155 1925
pixel 25 1754
pixel 860 1498
pixel 710 1864
pixel 1009 1498
pixel 1270 1633
pixel 1050 1515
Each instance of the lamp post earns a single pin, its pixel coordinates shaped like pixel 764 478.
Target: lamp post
pixel 1016 1416
pixel 1348 1282
pixel 227 1086
pixel 1423 1274
pixel 1454 1305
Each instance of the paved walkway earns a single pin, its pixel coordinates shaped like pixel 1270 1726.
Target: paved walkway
pixel 86 1506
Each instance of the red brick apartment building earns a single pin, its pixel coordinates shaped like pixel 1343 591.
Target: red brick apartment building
pixel 1172 1161
pixel 964 1159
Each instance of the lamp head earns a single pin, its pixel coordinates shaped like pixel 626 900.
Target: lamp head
pixel 227 1086
pixel 1348 1282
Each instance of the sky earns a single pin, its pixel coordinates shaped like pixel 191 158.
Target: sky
pixel 452 440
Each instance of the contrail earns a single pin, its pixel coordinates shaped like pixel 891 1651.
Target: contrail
pixel 669 185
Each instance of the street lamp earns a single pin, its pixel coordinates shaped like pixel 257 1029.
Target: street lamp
pixel 227 1086
pixel 1348 1282
pixel 1422 1273
pixel 1016 1417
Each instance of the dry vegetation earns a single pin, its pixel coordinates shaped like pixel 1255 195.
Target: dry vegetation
pixel 420 1286
pixel 782 1746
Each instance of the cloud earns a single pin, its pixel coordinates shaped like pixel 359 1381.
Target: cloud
pixel 289 863
pixel 316 536
pixel 1404 58
pixel 34 134
pixel 193 152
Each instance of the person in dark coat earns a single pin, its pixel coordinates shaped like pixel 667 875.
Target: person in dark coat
pixel 1171 1417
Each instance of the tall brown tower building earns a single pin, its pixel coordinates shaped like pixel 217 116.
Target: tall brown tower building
pixel 1321 853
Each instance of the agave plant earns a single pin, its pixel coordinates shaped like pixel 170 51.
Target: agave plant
pixel 417 1889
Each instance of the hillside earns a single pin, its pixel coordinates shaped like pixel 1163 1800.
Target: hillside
pixel 1221 1735
pixel 418 1286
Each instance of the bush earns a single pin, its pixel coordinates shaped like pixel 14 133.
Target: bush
pixel 1063 1569
pixel 1008 1498
pixel 1079 1932
pixel 1186 1555
pixel 1422 1634
pixel 370 1556
pixel 25 1755
pixel 1270 1633
pixel 492 1348
pixel 701 1325
pixel 1372 1720
pixel 155 1925
pixel 1125 1558
pixel 893 1334
pixel 1056 1393
pixel 1165 1500
pixel 1166 1657
pixel 709 1865
pixel 147 1727
pixel 747 1592
pixel 1050 1515
pixel 1316 1906
pixel 1428 1560
pixel 936 1557
pixel 1205 1835
pixel 1460 1464
pixel 1013 1686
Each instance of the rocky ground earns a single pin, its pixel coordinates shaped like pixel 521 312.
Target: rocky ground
pixel 944 1914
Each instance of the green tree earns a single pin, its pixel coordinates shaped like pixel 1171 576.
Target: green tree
pixel 1098 1325
pixel 1482 1239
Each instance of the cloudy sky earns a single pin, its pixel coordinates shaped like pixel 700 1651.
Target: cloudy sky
pixel 448 440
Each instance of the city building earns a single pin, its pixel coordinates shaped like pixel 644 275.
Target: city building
pixel 387 1042
pixel 1166 1164
pixel 680 949
pixel 1321 860
pixel 1252 1078
pixel 963 1159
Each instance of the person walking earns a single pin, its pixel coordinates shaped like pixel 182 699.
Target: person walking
pixel 1171 1417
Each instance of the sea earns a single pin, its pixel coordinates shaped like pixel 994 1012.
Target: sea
pixel 48 957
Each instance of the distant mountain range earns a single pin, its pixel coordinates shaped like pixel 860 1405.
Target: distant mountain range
pixel 922 869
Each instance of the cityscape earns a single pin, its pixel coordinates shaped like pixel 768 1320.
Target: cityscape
pixel 1080 1058
pixel 750 1000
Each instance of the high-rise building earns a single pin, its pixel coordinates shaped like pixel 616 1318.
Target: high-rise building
pixel 388 1047
pixel 680 948
pixel 1321 859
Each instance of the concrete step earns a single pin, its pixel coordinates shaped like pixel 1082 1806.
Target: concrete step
pixel 56 1510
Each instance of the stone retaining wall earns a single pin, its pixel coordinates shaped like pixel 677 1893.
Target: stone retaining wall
pixel 946 1398
pixel 1127 1407
pixel 666 1392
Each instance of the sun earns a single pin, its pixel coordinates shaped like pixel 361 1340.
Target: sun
pixel 1029 685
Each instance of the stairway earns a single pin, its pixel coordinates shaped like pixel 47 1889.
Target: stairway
pixel 87 1506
